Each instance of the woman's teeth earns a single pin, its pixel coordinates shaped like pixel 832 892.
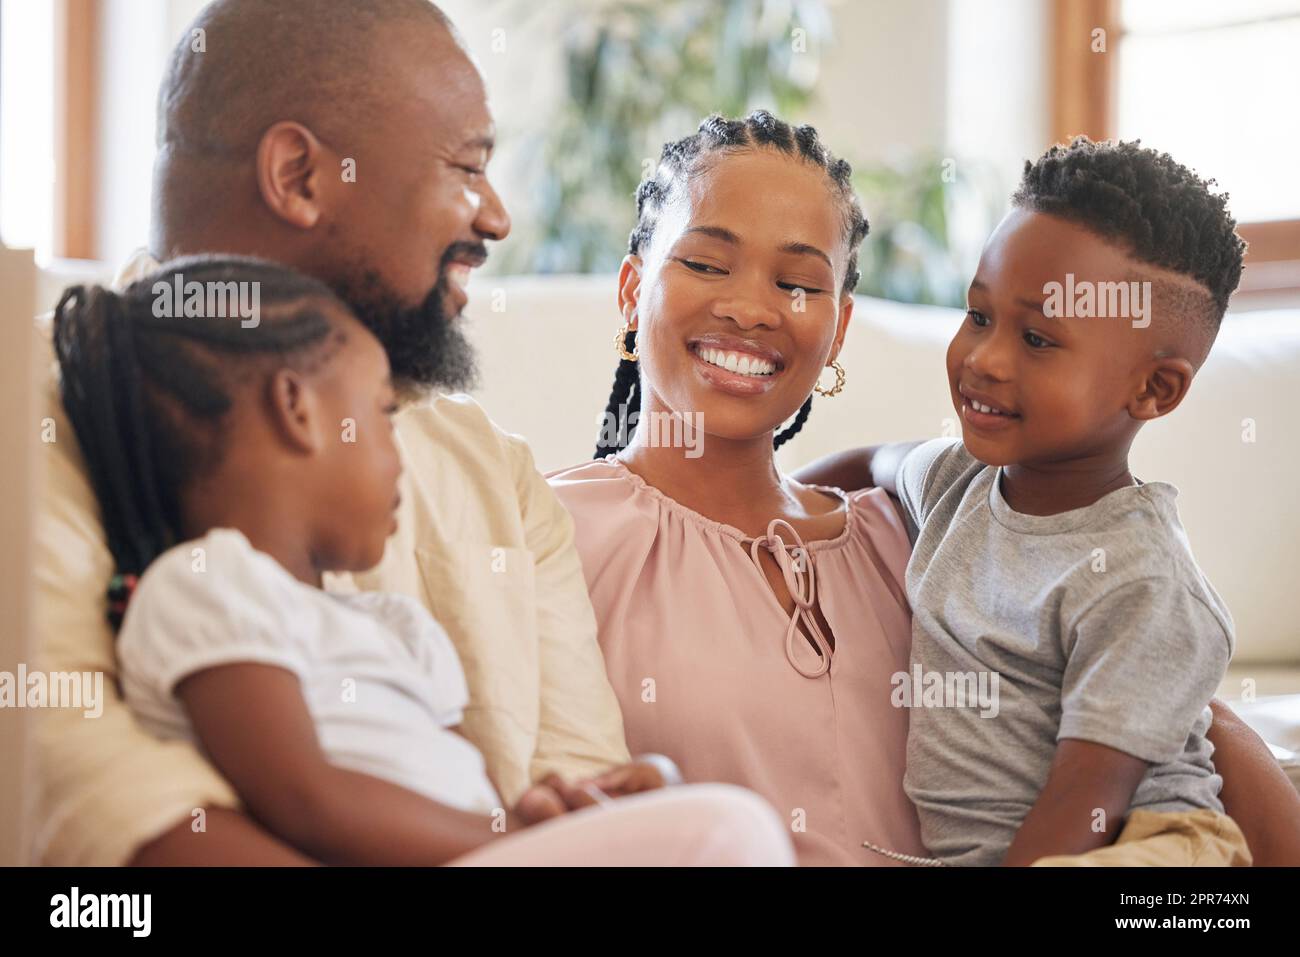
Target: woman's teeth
pixel 738 362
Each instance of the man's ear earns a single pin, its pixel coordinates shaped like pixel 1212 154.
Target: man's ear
pixel 1166 383
pixel 290 173
pixel 629 288
pixel 846 313
pixel 295 411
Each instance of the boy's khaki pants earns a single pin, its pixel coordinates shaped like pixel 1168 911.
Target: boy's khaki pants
pixel 1200 838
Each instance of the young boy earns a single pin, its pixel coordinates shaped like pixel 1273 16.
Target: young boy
pixel 1039 559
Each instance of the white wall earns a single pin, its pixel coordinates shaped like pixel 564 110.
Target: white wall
pixel 883 90
pixel 998 81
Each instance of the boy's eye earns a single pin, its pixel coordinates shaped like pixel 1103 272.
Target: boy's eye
pixel 700 267
pixel 1036 341
pixel 977 317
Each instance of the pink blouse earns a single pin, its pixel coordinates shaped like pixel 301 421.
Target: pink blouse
pixel 707 670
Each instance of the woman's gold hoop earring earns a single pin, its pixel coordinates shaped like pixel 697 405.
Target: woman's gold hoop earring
pixel 620 343
pixel 839 381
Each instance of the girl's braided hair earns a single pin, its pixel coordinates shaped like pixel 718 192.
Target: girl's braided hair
pixel 681 159
pixel 146 394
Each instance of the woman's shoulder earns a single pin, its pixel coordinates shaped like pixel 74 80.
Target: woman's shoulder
pixel 599 485
pixel 596 470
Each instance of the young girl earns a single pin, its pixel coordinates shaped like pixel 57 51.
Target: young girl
pixel 238 457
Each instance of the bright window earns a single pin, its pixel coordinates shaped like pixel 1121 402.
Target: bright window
pixel 27 125
pixel 1218 86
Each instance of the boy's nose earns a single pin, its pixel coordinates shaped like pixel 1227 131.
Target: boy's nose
pixel 988 360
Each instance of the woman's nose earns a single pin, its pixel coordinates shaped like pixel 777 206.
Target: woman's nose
pixel 746 312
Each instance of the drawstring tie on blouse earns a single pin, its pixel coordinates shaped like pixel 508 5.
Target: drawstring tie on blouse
pixel 801 582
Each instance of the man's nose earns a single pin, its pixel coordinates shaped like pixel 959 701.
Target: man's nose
pixel 492 221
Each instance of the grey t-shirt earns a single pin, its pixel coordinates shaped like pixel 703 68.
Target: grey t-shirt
pixel 1093 624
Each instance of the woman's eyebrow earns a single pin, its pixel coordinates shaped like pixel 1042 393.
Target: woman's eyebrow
pixel 804 249
pixel 717 232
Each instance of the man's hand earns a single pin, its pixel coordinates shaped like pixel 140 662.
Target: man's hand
pixel 541 802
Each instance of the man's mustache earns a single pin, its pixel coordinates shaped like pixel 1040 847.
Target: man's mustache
pixel 470 254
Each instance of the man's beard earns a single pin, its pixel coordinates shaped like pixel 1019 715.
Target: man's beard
pixel 426 348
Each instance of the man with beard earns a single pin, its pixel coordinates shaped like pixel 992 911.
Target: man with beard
pixel 349 141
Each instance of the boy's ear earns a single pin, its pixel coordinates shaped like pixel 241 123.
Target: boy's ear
pixel 846 313
pixel 1166 383
pixel 629 288
pixel 290 177
pixel 295 411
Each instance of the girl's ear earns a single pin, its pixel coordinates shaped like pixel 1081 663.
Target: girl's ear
pixel 295 410
pixel 290 177
pixel 846 313
pixel 629 288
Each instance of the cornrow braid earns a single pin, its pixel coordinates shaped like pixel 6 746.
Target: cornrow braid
pixel 681 159
pixel 146 394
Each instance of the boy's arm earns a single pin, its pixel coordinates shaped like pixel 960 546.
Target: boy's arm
pixel 332 814
pixel 1085 778
pixel 1256 793
pixel 867 467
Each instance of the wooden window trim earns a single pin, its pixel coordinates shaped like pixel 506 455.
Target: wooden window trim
pixel 76 130
pixel 1084 102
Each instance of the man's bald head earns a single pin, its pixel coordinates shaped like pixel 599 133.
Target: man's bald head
pixel 319 62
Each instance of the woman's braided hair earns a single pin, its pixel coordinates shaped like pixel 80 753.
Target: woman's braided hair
pixel 146 394
pixel 681 159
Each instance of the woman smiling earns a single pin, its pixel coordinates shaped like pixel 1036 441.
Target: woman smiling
pixel 750 623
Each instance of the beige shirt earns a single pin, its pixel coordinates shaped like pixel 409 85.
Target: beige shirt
pixel 483 543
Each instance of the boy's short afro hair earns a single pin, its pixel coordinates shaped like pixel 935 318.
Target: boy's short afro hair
pixel 1163 212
